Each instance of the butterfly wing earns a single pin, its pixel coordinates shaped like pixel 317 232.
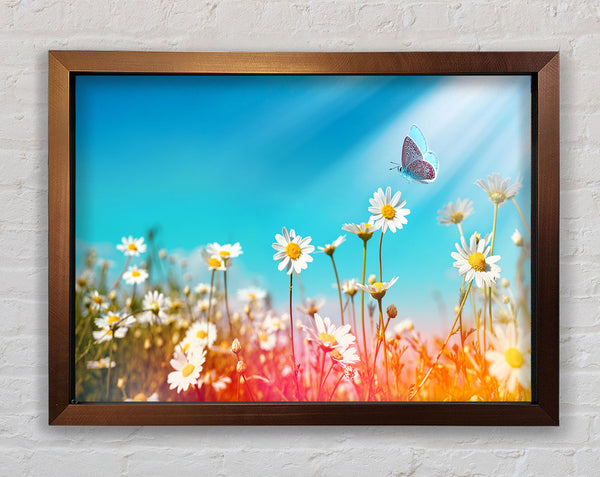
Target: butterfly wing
pixel 432 159
pixel 417 136
pixel 420 171
pixel 410 152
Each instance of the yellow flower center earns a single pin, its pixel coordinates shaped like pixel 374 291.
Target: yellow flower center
pixel 498 197
pixel 154 308
pixel 251 296
pixel 109 332
pixel 187 370
pixel 263 337
pixel 224 253
pixel 112 319
pixel 328 339
pixel 97 300
pixel 514 357
pixel 378 285
pixel 457 218
pixel 135 273
pixel 329 250
pixel 201 334
pixel 131 246
pixel 293 250
pixel 477 262
pixel 366 235
pixel 335 354
pixel 139 397
pixel 214 262
pixel 388 212
pixel 185 347
pixel 312 310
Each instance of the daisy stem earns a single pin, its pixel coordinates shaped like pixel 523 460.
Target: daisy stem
pixel 116 284
pixel 380 267
pixel 492 253
pixel 362 300
pixel 110 352
pixel 248 387
pixel 521 214
pixel 321 375
pixel 337 383
pixel 227 302
pixel 354 321
pixel 292 340
pixel 210 293
pixel 337 279
pixel 476 320
pixel 382 331
pixel 327 374
pixel 424 380
pixel 460 229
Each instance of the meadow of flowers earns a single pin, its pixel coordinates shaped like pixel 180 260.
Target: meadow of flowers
pixel 151 336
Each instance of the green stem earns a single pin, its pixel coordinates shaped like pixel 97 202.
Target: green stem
pixel 460 230
pixel 227 303
pixel 521 214
pixel 337 279
pixel 380 267
pixel 109 368
pixel 492 253
pixel 121 274
pixel 362 300
pixel 295 367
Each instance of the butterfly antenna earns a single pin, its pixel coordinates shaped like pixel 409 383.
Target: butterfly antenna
pixel 397 166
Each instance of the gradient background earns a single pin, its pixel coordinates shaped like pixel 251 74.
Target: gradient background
pixel 235 158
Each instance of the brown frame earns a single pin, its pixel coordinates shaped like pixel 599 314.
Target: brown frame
pixel 542 66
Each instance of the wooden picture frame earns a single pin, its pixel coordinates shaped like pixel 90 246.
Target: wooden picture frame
pixel 543 67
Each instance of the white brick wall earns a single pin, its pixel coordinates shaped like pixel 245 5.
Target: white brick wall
pixel 29 28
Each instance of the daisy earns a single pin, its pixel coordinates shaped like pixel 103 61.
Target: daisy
pixel 157 307
pixel 84 280
pixel 292 251
pixel 402 327
pixel 363 230
pixel 311 306
pixel 214 262
pixel 330 247
pixel 135 275
pixel 266 340
pixel 510 360
pixel 218 384
pixel 251 294
pixel 203 305
pixel 345 355
pixel 455 214
pixel 387 210
pixel 97 302
pixel 328 336
pixel 112 325
pixel 274 323
pixel 378 289
pixel 200 335
pixel 100 364
pixel 226 251
pixel 517 238
pixel 203 288
pixel 132 247
pixel 499 189
pixel 187 369
pixel 473 262
pixel 349 287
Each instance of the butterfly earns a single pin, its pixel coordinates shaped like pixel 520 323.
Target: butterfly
pixel 418 164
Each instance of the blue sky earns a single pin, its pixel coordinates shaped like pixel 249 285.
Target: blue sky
pixel 235 158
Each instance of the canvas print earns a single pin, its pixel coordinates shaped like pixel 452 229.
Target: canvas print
pixel 302 238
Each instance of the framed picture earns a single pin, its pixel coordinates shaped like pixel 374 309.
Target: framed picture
pixel 303 238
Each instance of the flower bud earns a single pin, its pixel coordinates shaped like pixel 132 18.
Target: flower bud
pixel 236 346
pixel 112 295
pixel 517 238
pixel 162 253
pixel 372 279
pixel 120 383
pixel 505 283
pixel 186 290
pixel 392 312
pixel 241 367
pixel 505 299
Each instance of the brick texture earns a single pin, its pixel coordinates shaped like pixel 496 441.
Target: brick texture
pixel 29 28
